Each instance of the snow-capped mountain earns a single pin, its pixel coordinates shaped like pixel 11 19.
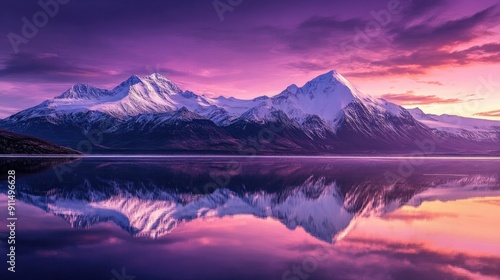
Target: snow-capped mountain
pixel 325 97
pixel 83 91
pixel 326 115
pixel 459 127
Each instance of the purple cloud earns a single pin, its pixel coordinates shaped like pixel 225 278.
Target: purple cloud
pixel 46 66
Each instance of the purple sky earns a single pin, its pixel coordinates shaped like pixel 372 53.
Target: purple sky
pixel 442 56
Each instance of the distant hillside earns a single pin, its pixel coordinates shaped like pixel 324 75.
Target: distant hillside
pixel 14 143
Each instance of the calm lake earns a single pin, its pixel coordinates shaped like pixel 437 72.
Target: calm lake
pixel 253 218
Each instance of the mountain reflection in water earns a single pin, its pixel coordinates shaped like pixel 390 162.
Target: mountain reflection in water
pixel 326 198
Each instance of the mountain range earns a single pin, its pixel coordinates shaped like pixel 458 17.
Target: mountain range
pixel 328 115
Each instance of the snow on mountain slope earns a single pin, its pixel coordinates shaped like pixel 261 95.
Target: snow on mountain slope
pixel 469 128
pixel 84 91
pixel 325 96
pixel 152 94
pixel 222 110
pixel 135 96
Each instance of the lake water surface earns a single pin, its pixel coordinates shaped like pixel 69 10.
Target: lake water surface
pixel 253 218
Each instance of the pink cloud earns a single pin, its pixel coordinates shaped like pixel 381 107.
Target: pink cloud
pixel 410 98
pixel 494 113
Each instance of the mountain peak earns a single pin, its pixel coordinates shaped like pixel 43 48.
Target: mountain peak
pixel 132 80
pixel 416 111
pixel 333 81
pixel 154 82
pixel 183 114
pixel 83 91
pixel 293 88
pixel 156 76
pixel 326 81
pixel 156 79
pixel 330 76
pixel 330 73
